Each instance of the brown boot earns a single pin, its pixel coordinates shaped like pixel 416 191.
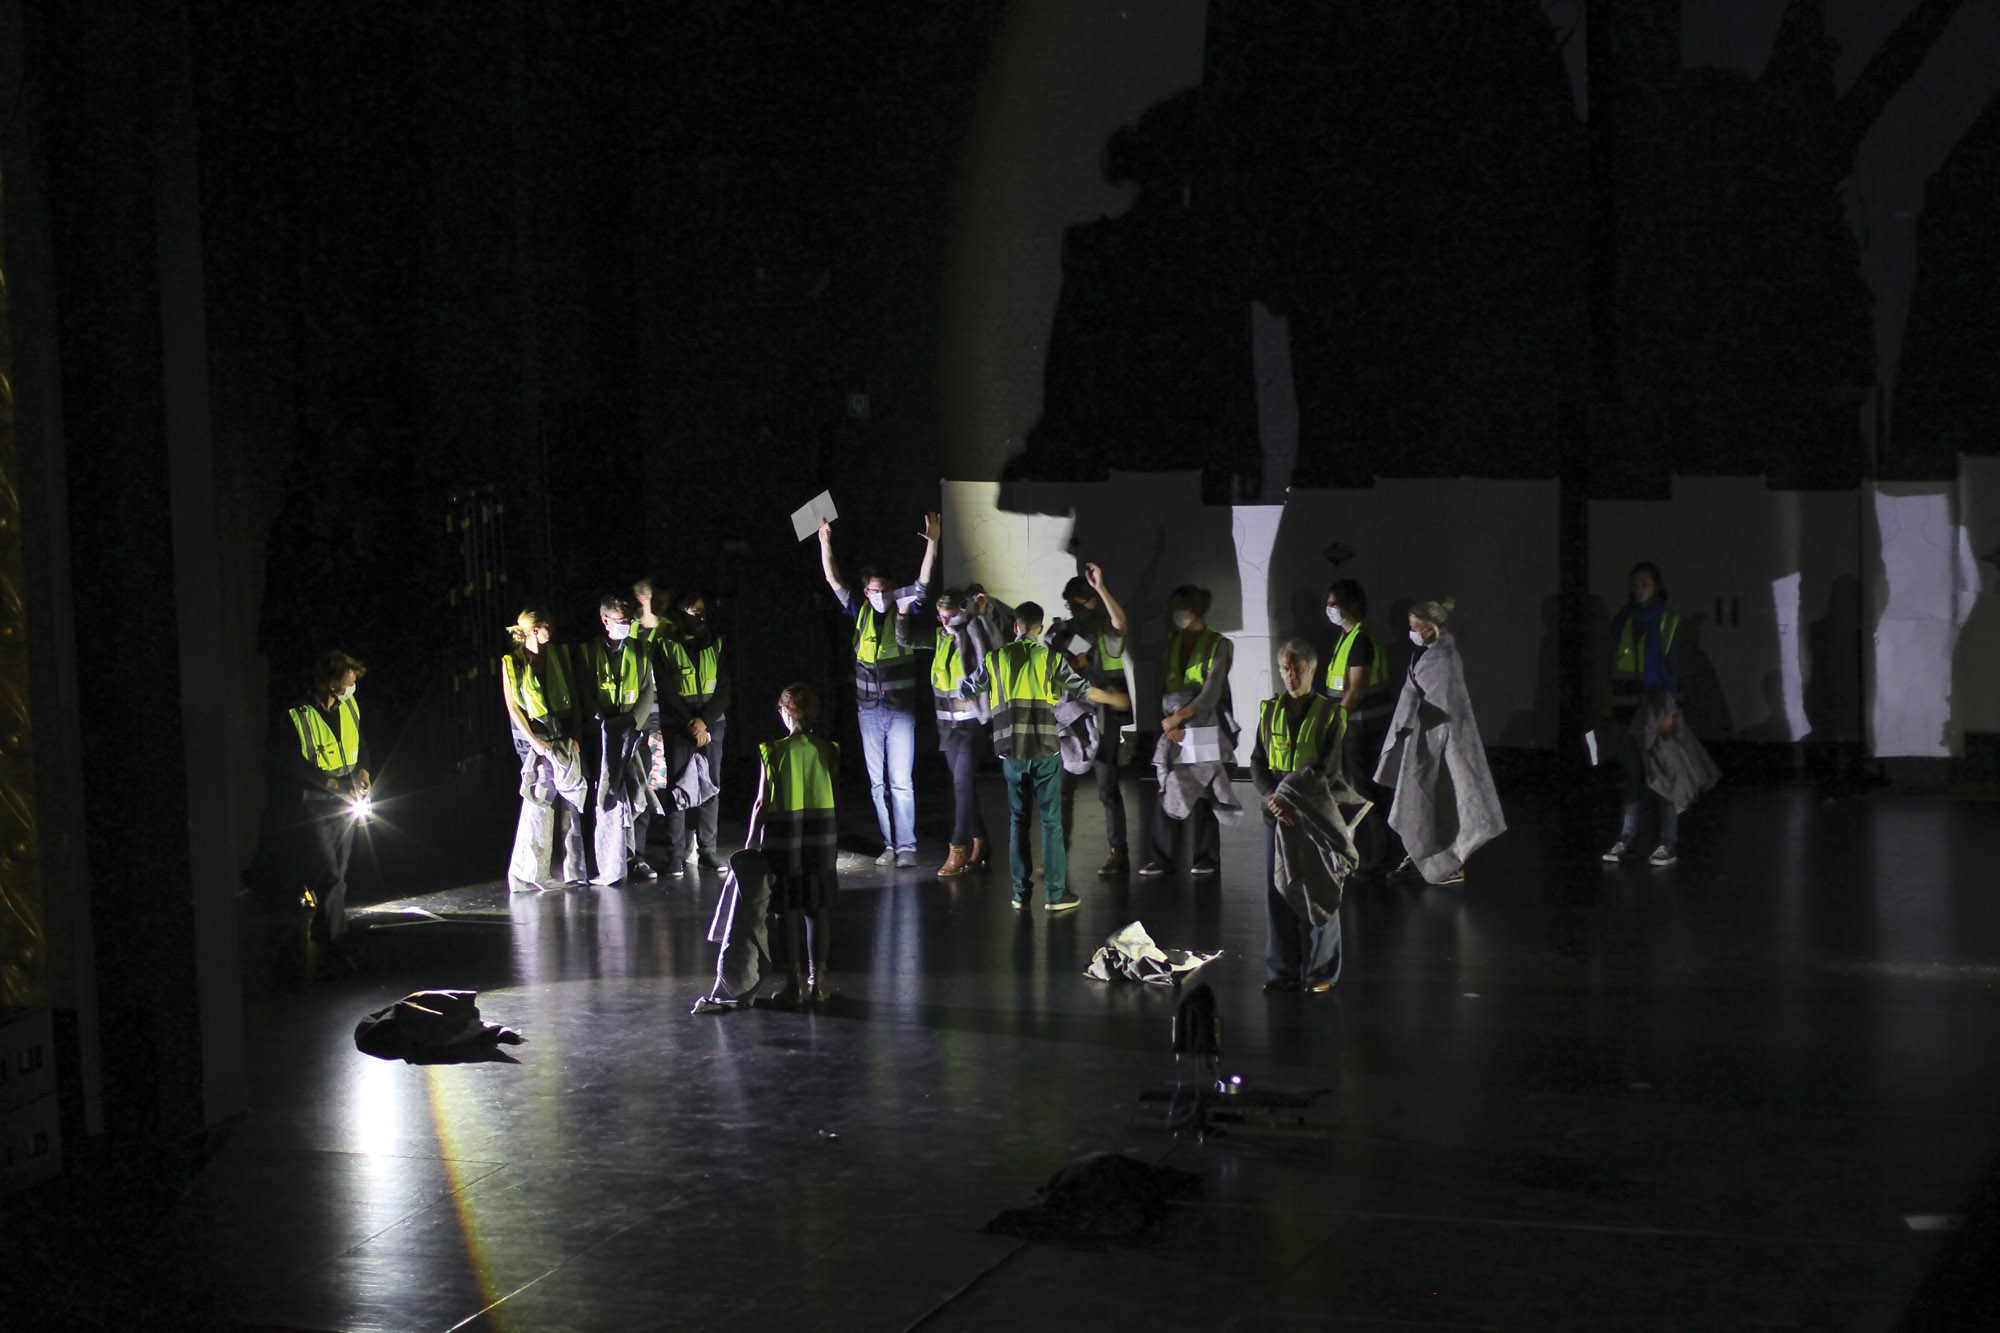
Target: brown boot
pixel 1114 865
pixel 954 862
pixel 976 858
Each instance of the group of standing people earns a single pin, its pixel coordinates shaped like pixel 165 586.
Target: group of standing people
pixel 1357 777
pixel 613 731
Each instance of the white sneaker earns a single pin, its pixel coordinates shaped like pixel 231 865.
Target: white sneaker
pixel 1617 851
pixel 1663 855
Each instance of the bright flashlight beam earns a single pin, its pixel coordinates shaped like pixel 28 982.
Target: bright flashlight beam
pixel 359 807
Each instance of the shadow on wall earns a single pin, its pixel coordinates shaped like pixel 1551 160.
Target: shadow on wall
pixel 1149 357
pixel 1948 383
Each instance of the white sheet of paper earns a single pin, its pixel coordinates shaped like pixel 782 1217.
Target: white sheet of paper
pixel 1201 745
pixel 1077 645
pixel 1590 744
pixel 806 518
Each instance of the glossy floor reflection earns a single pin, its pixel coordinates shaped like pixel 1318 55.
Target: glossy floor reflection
pixel 1561 1096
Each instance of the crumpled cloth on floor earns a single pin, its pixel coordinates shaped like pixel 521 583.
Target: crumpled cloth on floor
pixel 433 1027
pixel 1097 1198
pixel 1183 784
pixel 1130 955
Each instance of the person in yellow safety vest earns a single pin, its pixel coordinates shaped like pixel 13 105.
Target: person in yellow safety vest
pixel 692 671
pixel 1296 730
pixel 1195 691
pixel 958 645
pixel 1092 636
pixel 317 751
pixel 794 820
pixel 1357 678
pixel 539 688
pixel 617 678
pixel 886 687
pixel 1646 661
pixel 653 597
pixel 1023 682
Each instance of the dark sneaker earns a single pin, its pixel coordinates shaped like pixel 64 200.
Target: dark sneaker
pixel 1617 852
pixel 906 860
pixel 710 861
pixel 1205 868
pixel 1664 855
pixel 641 873
pixel 1021 904
pixel 1151 869
pixel 887 858
pixel 1069 902
pixel 1280 984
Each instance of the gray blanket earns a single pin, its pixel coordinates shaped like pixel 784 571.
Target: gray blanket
pixel 742 927
pixel 1079 733
pixel 1445 806
pixel 1678 766
pixel 1316 855
pixel 1183 784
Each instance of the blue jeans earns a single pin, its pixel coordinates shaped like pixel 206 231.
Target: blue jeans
pixel 1294 950
pixel 1039 780
pixel 889 744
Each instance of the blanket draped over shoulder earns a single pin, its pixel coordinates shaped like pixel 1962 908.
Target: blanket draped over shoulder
pixel 1445 806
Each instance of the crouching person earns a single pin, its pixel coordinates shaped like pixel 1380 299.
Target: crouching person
pixel 1310 814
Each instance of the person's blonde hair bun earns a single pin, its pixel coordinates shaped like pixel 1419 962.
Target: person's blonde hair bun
pixel 1434 613
pixel 531 618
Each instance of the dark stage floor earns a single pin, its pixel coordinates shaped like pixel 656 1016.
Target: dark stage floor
pixel 1738 1093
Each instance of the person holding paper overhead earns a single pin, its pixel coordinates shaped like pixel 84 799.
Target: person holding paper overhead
pixel 1197 737
pixel 885 688
pixel 1092 637
pixel 1023 682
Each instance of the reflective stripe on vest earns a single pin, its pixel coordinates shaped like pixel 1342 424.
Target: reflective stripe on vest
pixel 798 793
pixel 1191 674
pixel 696 675
pixel 1288 748
pixel 621 690
pixel 329 753
pixel 1022 689
pixel 1628 668
pixel 539 691
pixel 1373 698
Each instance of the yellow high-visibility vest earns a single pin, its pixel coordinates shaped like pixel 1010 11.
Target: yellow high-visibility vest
pixel 330 753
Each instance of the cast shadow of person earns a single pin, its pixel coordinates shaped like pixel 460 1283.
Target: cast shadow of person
pixel 1149 362
pixel 1832 693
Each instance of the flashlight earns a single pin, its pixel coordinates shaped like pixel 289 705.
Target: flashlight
pixel 358 808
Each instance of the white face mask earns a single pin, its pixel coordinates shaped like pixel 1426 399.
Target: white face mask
pixel 1333 616
pixel 619 630
pixel 1182 619
pixel 347 693
pixel 879 600
pixel 1416 637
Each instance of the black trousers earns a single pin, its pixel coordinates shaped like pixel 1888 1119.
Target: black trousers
pixel 707 813
pixel 961 745
pixel 1360 751
pixel 1206 835
pixel 1104 770
pixel 329 842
